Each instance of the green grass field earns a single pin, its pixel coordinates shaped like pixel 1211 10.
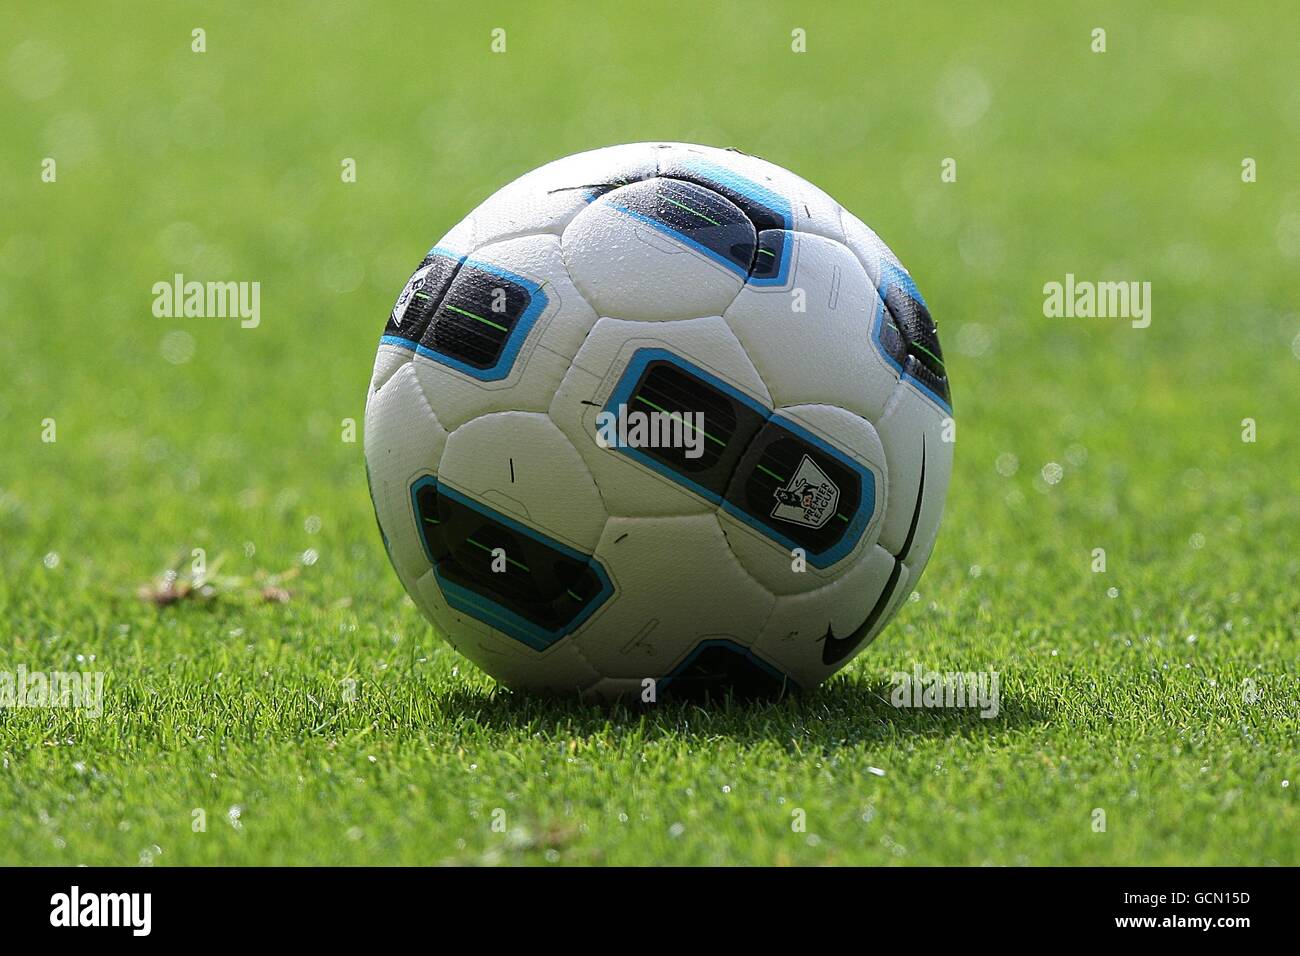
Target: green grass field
pixel 1162 691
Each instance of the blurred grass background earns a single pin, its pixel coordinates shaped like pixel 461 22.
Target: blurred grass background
pixel 1124 689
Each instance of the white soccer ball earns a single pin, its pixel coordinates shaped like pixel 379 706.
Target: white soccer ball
pixel 659 418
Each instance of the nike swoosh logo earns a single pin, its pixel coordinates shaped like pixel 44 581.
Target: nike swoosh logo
pixel 916 511
pixel 836 649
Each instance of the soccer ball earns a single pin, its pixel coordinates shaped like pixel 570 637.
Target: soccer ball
pixel 659 418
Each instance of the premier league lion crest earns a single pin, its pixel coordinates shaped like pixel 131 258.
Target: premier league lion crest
pixel 809 498
pixel 408 293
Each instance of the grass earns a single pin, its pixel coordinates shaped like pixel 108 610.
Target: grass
pixel 335 727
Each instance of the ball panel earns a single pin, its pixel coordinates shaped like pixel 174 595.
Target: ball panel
pixel 403 440
pixel 812 343
pixel 559 669
pixel 905 334
pixel 513 577
pixel 461 240
pixel 659 250
pixel 533 353
pixel 523 466
pixel 388 360
pixel 547 199
pixel 780 199
pixel 771 561
pixel 431 277
pixel 796 633
pixel 628 486
pixel 913 433
pixel 676 584
pixel 868 247
pixel 715 669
